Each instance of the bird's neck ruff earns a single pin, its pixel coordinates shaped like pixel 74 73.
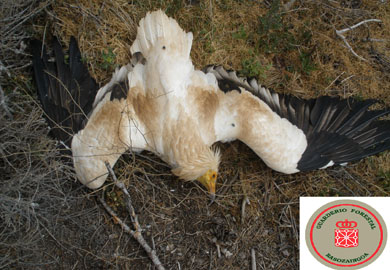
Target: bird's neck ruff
pixel 197 164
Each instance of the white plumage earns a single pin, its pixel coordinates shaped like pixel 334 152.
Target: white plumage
pixel 160 103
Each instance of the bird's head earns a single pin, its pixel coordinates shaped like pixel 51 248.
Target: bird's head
pixel 202 167
pixel 209 179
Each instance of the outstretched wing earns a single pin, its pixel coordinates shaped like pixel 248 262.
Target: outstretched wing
pixel 336 131
pixel 65 90
pixel 98 125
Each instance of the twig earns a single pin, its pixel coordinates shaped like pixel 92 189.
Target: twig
pixel 245 201
pixel 346 79
pixel 211 259
pixel 376 40
pixel 253 259
pixel 129 205
pixel 211 9
pixel 4 104
pixel 342 31
pixel 334 81
pixel 357 25
pixel 222 250
pixel 3 68
pixel 288 5
pixel 218 247
pixel 226 252
pixel 134 218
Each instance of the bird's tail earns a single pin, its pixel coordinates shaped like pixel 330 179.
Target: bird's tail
pixel 66 90
pixel 159 32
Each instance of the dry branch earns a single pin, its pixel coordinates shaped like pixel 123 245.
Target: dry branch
pixel 245 201
pixel 134 219
pixel 3 103
pixel 342 31
pixel 288 5
pixel 253 259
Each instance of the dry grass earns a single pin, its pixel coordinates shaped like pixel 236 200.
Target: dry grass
pixel 49 221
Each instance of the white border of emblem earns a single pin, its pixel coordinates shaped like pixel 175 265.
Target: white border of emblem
pixel 309 205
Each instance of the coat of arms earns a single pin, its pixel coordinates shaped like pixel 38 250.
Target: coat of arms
pixel 346 236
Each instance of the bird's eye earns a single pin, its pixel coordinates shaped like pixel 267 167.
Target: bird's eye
pixel 213 175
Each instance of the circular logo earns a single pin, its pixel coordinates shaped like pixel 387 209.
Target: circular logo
pixel 346 234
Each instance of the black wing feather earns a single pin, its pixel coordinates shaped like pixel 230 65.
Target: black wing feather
pixel 66 91
pixel 337 130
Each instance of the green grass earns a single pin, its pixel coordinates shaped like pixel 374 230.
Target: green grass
pixel 307 64
pixel 253 68
pixel 277 38
pixel 274 34
pixel 241 34
pixel 108 59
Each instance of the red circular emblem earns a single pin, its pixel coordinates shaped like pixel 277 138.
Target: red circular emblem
pixel 346 233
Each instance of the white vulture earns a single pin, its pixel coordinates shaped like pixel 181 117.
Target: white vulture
pixel 161 103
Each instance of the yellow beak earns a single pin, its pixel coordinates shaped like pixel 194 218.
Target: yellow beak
pixel 209 180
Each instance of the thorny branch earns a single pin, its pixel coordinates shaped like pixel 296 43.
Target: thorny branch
pixel 342 31
pixel 134 219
